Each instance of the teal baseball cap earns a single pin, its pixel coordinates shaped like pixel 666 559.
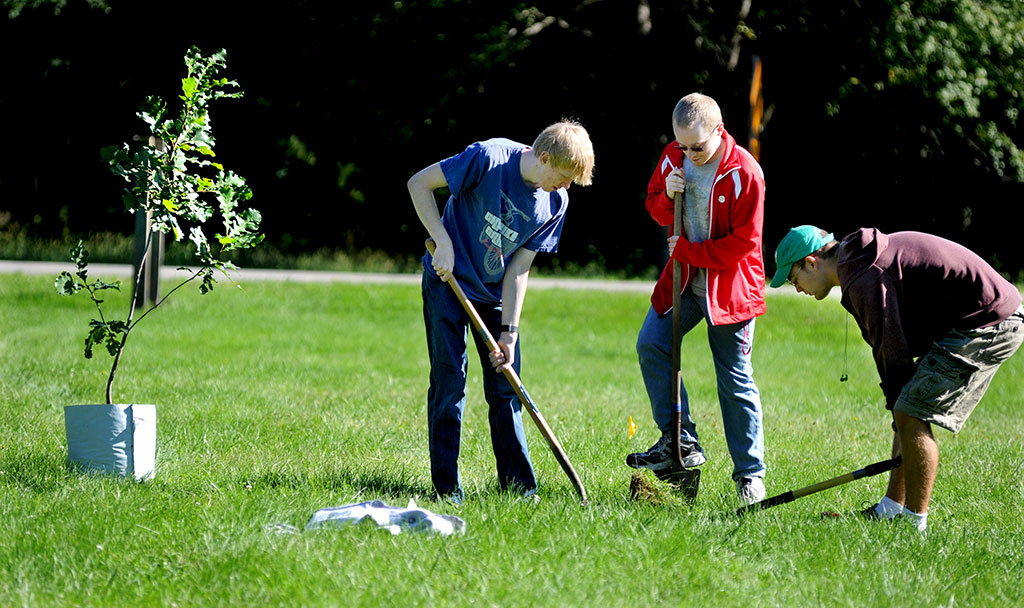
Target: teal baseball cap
pixel 801 242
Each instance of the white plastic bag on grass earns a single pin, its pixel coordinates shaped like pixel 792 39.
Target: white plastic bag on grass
pixel 394 519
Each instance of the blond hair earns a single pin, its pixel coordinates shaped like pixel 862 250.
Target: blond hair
pixel 697 109
pixel 568 145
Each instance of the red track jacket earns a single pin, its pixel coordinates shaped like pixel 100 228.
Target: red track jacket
pixel 733 255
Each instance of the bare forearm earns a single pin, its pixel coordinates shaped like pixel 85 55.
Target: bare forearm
pixel 513 293
pixel 421 190
pixel 513 290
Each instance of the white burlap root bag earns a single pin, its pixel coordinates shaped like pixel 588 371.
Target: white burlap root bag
pixel 115 439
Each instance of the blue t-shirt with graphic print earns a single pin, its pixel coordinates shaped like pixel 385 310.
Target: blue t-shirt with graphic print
pixel 492 212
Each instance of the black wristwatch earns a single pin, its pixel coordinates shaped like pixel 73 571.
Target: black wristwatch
pixel 512 329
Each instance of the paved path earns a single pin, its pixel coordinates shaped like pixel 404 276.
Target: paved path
pixel 326 276
pixel 314 276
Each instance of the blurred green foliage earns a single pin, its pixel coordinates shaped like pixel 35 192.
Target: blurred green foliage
pixel 891 114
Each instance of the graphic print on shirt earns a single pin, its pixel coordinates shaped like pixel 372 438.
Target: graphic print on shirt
pixel 498 237
pixel 697 219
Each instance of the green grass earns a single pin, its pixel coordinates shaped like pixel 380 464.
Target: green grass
pixel 280 399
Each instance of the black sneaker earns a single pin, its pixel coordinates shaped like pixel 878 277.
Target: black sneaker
pixel 870 512
pixel 659 457
pixel 866 513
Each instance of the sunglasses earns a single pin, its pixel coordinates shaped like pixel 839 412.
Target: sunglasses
pixel 699 147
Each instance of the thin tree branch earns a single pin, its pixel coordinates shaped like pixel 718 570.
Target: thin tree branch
pixel 131 313
pixel 167 295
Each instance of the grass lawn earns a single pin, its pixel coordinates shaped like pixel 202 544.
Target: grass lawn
pixel 279 399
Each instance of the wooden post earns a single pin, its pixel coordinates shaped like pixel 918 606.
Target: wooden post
pixel 756 110
pixel 149 290
pixel 156 260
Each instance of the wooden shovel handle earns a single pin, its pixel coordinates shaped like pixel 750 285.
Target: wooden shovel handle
pixel 677 338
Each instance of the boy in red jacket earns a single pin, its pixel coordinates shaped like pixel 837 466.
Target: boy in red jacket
pixel 723 284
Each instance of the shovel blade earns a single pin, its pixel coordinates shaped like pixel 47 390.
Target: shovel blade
pixel 686 480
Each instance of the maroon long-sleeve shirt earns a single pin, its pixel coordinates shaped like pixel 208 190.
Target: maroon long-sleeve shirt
pixel 907 290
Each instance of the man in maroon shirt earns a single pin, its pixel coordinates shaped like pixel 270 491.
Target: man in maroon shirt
pixel 940 322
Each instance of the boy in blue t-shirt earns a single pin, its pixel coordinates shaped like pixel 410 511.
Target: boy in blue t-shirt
pixel 507 202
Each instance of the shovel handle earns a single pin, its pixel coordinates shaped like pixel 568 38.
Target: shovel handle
pixel 677 338
pixel 781 499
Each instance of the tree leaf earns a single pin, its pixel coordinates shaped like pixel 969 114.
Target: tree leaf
pixel 98 285
pixel 208 282
pixel 66 284
pixel 79 255
pixel 188 87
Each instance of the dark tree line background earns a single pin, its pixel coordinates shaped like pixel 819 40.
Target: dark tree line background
pixel 877 113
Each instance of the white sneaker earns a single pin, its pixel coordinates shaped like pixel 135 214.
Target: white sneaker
pixel 918 522
pixel 750 489
pixel 530 497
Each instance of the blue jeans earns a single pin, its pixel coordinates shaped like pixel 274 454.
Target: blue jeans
pixel 447 325
pixel 738 397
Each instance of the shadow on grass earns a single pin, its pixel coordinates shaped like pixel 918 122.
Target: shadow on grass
pixel 371 484
pixel 34 472
pixel 48 473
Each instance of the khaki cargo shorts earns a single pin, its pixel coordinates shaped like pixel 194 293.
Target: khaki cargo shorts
pixel 952 378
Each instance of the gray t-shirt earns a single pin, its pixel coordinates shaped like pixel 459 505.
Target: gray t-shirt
pixel 696 214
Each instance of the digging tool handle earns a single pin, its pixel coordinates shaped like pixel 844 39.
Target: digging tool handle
pixel 517 385
pixel 781 499
pixel 677 338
